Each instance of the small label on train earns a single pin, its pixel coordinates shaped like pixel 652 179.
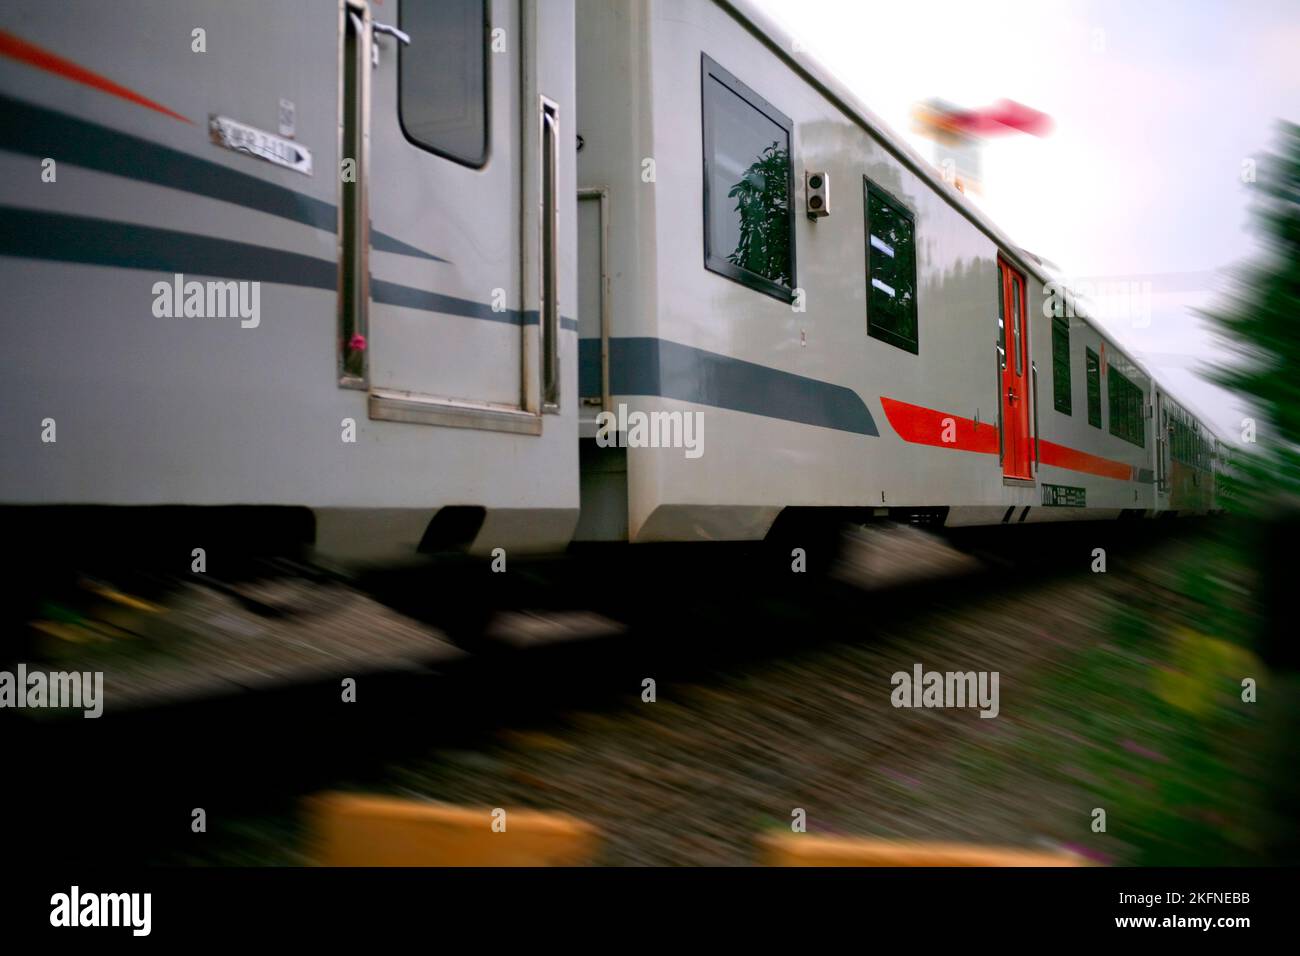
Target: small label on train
pixel 1064 496
pixel 243 138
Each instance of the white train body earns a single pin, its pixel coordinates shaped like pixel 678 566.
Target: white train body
pixel 802 407
pixel 436 299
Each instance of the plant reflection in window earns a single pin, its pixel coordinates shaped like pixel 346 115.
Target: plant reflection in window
pixel 762 202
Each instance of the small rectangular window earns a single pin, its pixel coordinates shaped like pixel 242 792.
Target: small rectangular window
pixel 1093 369
pixel 1186 443
pixel 891 269
pixel 1016 323
pixel 1061 364
pixel 1002 324
pixel 748 186
pixel 443 78
pixel 1125 399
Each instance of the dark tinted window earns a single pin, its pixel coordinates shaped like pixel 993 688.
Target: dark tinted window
pixel 1186 442
pixel 1061 363
pixel 748 186
pixel 1093 369
pixel 1002 323
pixel 891 270
pixel 1125 400
pixel 1015 322
pixel 443 78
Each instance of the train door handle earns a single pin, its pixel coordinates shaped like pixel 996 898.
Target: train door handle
pixel 1011 395
pixel 389 30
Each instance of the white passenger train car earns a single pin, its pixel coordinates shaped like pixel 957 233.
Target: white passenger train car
pixel 410 298
pixel 386 264
pixel 886 350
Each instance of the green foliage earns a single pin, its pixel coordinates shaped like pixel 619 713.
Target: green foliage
pixel 762 200
pixel 1260 326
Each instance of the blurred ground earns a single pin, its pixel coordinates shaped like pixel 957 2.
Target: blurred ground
pixel 690 778
pixel 190 640
pixel 1119 691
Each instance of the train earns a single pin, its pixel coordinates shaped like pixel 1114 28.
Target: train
pixel 519 276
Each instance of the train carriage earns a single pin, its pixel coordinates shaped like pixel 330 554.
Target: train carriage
pixel 887 352
pixel 423 269
pixel 392 180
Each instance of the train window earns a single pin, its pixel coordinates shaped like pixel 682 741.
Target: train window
pixel 891 270
pixel 1092 366
pixel 748 186
pixel 1002 325
pixel 1061 361
pixel 1015 323
pixel 1125 401
pixel 1186 443
pixel 443 78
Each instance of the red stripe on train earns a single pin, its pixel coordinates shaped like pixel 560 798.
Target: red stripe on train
pixel 925 426
pixel 1051 453
pixel 19 49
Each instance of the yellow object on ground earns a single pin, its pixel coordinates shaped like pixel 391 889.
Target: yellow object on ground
pixel 349 829
pixel 803 849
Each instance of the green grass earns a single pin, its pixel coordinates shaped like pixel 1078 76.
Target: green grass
pixel 1157 725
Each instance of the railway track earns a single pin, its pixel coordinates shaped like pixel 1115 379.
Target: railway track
pixel 124 787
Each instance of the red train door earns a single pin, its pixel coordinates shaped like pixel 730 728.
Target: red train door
pixel 1014 342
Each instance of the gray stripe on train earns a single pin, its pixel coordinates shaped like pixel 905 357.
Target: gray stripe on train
pixel 638 366
pixel 651 366
pixel 35 131
pixel 103 242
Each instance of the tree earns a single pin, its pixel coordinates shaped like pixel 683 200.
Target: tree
pixel 1259 325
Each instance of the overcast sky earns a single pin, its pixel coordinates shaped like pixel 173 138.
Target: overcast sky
pixel 1155 105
